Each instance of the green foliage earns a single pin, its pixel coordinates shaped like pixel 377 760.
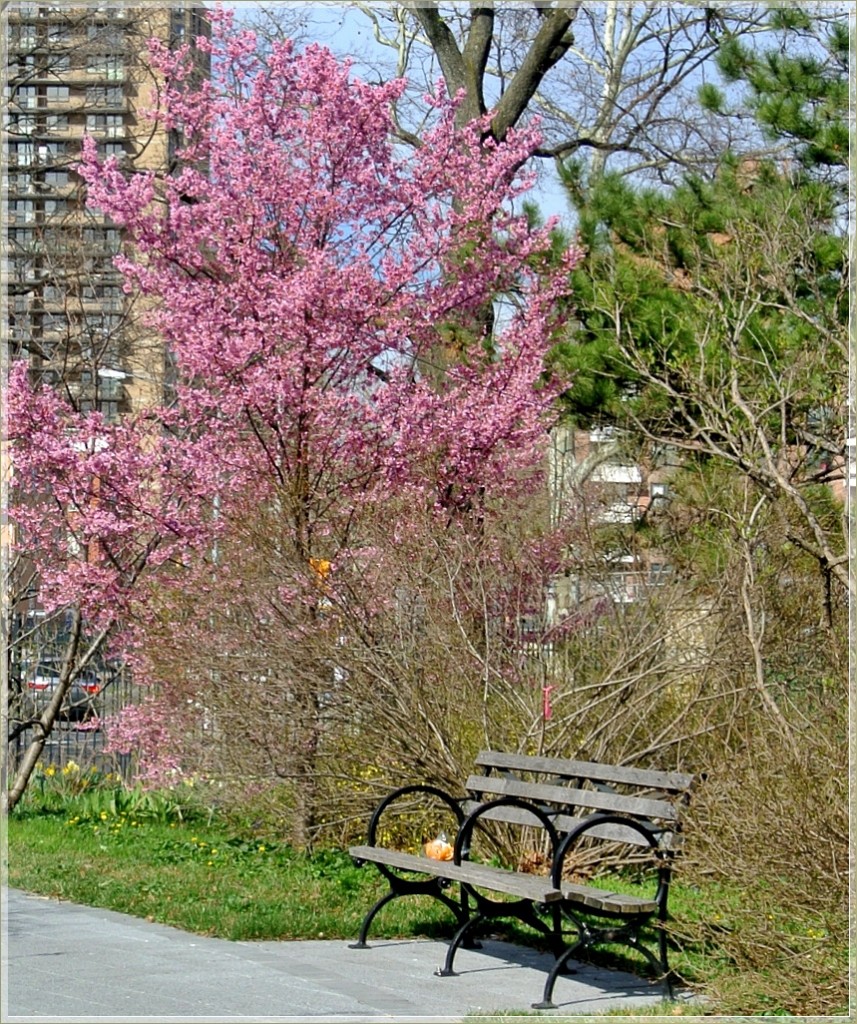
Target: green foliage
pixel 669 275
pixel 711 98
pixel 799 91
pixel 92 794
pixel 733 275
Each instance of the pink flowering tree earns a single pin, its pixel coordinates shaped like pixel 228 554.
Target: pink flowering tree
pixel 102 512
pixel 324 297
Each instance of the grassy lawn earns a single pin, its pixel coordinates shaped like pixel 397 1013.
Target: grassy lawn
pixel 199 877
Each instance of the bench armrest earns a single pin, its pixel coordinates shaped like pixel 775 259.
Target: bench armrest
pixel 662 856
pixel 465 833
pixel 404 791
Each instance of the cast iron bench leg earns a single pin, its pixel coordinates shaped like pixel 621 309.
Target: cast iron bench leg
pixel 557 969
pixel 458 939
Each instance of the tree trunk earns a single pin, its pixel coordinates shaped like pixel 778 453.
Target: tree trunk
pixel 44 726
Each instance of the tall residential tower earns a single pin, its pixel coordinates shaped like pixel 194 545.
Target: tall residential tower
pixel 75 69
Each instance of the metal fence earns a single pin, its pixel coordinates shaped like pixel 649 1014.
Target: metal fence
pixel 80 733
pixel 83 742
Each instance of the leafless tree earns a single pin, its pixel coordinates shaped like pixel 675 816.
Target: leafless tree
pixel 610 81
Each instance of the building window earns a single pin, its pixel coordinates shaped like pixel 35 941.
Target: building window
pixel 107 239
pixel 110 65
pixel 23 211
pixel 21 331
pixel 23 35
pixel 22 154
pixel 102 324
pixel 22 238
pixel 21 124
pixel 110 388
pixel 199 26
pixel 60 33
pixel 52 150
pixel 56 122
pixel 111 125
pixel 108 296
pixel 56 94
pixel 20 182
pixel 54 323
pixel 57 179
pixel 106 149
pixel 104 96
pixel 56 207
pixel 108 36
pixel 26 96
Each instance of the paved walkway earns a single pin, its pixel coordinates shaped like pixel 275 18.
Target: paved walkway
pixel 72 963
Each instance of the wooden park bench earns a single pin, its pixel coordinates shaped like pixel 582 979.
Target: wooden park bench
pixel 576 819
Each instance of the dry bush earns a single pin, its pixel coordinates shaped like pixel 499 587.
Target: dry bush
pixel 771 824
pixel 767 832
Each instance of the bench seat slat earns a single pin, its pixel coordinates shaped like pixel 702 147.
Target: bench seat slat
pixel 601 899
pixel 673 782
pixel 565 796
pixel 515 883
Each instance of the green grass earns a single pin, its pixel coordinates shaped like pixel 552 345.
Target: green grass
pixel 197 875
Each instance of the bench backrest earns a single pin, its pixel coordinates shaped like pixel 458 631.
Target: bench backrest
pixel 570 790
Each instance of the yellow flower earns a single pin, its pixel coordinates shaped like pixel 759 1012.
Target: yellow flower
pixel 70 768
pixel 210 863
pixel 103 815
pixel 261 849
pixel 50 771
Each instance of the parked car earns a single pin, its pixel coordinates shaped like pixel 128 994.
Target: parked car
pixel 80 701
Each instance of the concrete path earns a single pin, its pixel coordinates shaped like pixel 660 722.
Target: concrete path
pixel 64 962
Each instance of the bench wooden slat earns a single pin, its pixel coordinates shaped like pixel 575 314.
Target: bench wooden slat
pixel 601 899
pixel 562 796
pixel 514 883
pixel 566 822
pixel 672 782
